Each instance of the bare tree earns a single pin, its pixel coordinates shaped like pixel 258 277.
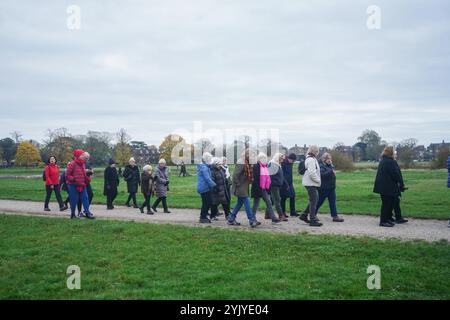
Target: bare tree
pixel 17 136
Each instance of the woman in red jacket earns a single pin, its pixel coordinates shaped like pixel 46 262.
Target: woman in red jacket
pixel 77 181
pixel 51 174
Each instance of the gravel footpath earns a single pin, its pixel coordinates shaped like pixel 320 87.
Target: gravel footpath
pixel 354 225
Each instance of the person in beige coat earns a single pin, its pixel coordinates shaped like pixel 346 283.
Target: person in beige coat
pixel 311 181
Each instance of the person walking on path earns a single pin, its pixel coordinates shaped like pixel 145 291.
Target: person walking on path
pixel 147 188
pixel 226 171
pixel 220 193
pixel 111 184
pixel 77 181
pixel 277 183
pixel 448 179
pixel 242 178
pixel 397 209
pixel 287 190
pixel 161 185
pixel 387 185
pixel 205 185
pixel 183 172
pixel 52 184
pixel 261 186
pixel 311 181
pixel 327 188
pixel 131 175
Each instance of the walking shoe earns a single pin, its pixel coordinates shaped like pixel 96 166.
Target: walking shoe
pixel 127 205
pixel 204 220
pixel 315 223
pixel 401 220
pixel 276 220
pixel 47 209
pixel 282 217
pixel 338 219
pixel 80 215
pixel 167 211
pixel 267 216
pixel 295 214
pixel 391 221
pixel 73 216
pixel 89 215
pixel 136 206
pixel 215 219
pixel 233 223
pixel 149 212
pixel 63 208
pixel 154 209
pixel 386 224
pixel 109 208
pixel 254 224
pixel 142 209
pixel 304 217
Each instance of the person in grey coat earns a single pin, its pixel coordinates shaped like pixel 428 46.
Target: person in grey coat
pixel 162 185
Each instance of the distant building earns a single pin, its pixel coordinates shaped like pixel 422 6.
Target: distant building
pixel 144 154
pixel 300 152
pixel 434 148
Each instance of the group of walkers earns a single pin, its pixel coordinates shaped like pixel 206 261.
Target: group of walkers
pixel 270 181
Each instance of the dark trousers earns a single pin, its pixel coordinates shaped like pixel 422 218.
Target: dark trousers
pixel 132 196
pixel 397 209
pixel 164 202
pixel 111 195
pixel 291 204
pixel 387 205
pixel 206 204
pixel 215 209
pixel 147 201
pixel 331 196
pixel 313 196
pixel 49 190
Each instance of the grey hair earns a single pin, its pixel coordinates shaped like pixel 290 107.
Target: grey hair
pixel 207 157
pixel 325 156
pixel 262 156
pixel 313 149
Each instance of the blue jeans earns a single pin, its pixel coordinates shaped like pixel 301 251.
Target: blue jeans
pixel 242 201
pixel 74 197
pixel 331 195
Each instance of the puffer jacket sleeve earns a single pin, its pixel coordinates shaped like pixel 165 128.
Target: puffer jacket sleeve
pixel 312 170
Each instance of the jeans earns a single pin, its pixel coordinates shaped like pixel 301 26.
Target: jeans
pixel 313 196
pixel 206 204
pixel 242 201
pixel 49 191
pixel 266 198
pixel 275 192
pixel 387 205
pixel 331 196
pixel 74 197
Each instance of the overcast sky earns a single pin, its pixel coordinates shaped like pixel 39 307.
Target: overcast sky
pixel 311 69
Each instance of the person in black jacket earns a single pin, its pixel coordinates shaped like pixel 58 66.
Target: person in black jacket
pixel 397 210
pixel 288 191
pixel 132 176
pixel 277 183
pixel 220 193
pixel 327 189
pixel 387 184
pixel 111 183
pixel 147 188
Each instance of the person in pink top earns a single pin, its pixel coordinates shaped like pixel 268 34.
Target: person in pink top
pixel 261 186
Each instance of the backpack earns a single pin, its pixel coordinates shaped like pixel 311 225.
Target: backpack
pixel 301 167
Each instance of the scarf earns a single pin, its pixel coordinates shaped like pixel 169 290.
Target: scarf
pixel 264 179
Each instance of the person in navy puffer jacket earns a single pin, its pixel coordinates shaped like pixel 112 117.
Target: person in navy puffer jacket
pixel 205 184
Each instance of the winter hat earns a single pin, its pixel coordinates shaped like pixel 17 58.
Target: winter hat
pixel 77 153
pixel 292 156
pixel 111 162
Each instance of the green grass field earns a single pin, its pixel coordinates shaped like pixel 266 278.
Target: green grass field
pixel 126 260
pixel 427 197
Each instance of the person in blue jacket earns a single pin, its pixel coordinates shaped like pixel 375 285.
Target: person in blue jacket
pixel 205 184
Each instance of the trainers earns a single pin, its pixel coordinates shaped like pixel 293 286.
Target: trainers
pixel 89 215
pixel 233 223
pixel 315 224
pixel 167 211
pixel 47 209
pixel 254 224
pixel 142 210
pixel 215 219
pixel 154 209
pixel 149 212
pixel 276 220
pixel 338 219
pixel 401 220
pixel 63 208
pixel 304 217
pixel 204 220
